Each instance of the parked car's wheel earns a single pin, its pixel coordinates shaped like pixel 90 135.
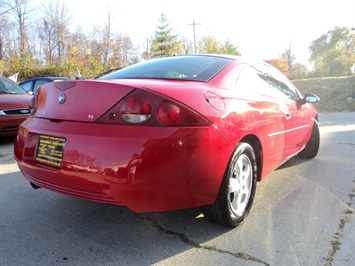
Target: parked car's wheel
pixel 311 149
pixel 237 190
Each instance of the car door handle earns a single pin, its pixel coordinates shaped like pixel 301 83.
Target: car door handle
pixel 286 112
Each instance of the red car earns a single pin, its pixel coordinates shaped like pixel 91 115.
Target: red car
pixel 167 134
pixel 14 106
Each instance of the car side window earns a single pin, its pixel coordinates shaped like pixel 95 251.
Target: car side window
pixel 282 88
pixel 280 85
pixel 37 84
pixel 27 85
pixel 251 81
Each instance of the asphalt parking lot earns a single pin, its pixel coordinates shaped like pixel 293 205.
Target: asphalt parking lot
pixel 303 214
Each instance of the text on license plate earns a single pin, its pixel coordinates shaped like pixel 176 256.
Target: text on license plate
pixel 50 150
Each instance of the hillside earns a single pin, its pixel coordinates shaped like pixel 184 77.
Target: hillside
pixel 336 94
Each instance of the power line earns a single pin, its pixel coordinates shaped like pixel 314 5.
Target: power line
pixel 194 24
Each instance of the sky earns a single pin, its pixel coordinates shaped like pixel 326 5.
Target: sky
pixel 262 29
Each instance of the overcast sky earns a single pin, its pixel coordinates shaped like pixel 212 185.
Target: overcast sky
pixel 262 29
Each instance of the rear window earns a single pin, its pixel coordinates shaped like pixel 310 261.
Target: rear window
pixel 195 68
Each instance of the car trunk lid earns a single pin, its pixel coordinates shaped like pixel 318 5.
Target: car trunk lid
pixel 83 101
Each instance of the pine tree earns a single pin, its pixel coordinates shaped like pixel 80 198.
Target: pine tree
pixel 165 43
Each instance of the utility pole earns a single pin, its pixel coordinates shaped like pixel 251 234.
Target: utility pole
pixel 194 24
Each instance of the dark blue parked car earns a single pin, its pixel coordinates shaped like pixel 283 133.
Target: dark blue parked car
pixel 34 83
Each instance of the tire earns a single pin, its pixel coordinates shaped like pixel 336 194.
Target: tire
pixel 311 149
pixel 237 191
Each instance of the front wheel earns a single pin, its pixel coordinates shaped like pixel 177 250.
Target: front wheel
pixel 236 194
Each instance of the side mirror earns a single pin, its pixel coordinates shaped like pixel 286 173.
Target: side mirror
pixel 310 98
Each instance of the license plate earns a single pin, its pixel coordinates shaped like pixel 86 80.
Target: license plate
pixel 50 150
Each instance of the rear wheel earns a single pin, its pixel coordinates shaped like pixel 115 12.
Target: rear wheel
pixel 311 149
pixel 237 190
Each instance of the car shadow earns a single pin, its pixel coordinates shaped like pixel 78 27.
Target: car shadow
pixel 105 232
pixel 292 162
pixel 7 139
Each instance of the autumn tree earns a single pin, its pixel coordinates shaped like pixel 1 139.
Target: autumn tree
pixel 20 10
pixel 227 47
pixel 5 26
pixel 147 46
pixel 53 32
pixel 299 71
pixel 186 45
pixel 106 39
pixel 17 48
pixel 210 45
pixel 333 53
pixel 289 57
pixel 115 49
pixel 78 56
pixel 123 51
pixel 94 50
pixel 293 70
pixel 280 64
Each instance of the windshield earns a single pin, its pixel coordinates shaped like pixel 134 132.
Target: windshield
pixel 7 86
pixel 196 68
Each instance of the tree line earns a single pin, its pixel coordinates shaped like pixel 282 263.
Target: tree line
pixel 39 42
pixel 332 55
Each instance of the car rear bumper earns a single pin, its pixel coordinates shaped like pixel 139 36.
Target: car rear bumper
pixel 146 169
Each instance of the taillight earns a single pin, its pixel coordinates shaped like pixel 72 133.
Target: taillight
pixel 169 114
pixel 136 109
pixel 146 108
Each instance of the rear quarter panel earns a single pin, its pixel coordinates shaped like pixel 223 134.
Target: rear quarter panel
pixel 242 117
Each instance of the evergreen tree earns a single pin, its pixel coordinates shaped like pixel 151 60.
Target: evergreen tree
pixel 164 43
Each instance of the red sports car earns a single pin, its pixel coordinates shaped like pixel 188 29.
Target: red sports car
pixel 14 106
pixel 167 134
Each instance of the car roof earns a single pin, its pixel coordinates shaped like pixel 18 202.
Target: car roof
pixel 45 78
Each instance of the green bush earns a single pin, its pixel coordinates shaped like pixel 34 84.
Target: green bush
pixel 336 94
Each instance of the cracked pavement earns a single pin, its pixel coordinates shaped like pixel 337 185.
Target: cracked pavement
pixel 303 214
